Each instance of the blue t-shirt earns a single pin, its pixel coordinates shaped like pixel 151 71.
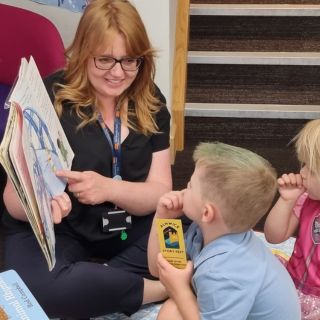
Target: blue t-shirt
pixel 237 277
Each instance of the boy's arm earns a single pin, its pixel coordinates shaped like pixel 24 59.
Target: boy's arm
pixel 169 206
pixel 281 222
pixel 178 285
pixel 153 248
pixel 188 305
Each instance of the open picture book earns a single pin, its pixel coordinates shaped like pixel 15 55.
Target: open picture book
pixel 33 147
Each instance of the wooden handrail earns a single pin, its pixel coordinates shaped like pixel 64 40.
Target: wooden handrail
pixel 179 81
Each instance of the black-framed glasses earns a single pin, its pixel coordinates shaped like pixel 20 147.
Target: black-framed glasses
pixel 127 63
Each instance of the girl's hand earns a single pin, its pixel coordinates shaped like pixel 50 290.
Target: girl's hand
pixel 291 186
pixel 170 205
pixel 175 280
pixel 60 207
pixel 88 187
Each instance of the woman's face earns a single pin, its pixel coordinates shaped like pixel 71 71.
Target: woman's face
pixel 113 82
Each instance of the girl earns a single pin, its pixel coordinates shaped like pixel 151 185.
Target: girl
pixel 298 209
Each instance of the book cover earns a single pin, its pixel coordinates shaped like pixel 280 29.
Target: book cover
pixel 171 242
pixel 16 300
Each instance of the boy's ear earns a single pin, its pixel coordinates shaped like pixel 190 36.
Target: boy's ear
pixel 209 212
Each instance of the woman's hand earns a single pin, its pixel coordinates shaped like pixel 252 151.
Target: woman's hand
pixel 60 207
pixel 88 187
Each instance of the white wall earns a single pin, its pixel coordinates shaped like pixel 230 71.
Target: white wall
pixel 158 16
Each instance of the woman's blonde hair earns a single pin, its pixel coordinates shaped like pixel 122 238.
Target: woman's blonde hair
pixel 240 181
pixel 101 21
pixel 307 144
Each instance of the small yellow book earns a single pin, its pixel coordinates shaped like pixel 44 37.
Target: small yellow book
pixel 171 241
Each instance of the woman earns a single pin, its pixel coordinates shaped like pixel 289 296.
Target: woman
pixel 117 124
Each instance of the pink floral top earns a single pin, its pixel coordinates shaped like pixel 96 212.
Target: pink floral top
pixel 304 264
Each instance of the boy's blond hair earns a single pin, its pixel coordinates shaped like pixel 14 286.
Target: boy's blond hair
pixel 307 143
pixel 241 182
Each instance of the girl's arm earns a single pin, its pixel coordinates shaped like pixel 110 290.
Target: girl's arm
pixel 281 222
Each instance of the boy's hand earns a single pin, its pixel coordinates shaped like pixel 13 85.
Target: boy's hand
pixel 60 207
pixel 170 205
pixel 290 186
pixel 175 280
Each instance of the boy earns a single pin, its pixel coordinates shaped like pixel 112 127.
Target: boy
pixel 232 274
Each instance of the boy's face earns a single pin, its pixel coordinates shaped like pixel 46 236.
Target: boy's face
pixel 192 201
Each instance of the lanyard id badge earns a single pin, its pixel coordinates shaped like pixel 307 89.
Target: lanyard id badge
pixel 115 143
pixel 115 219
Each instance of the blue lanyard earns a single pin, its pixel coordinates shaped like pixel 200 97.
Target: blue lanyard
pixel 115 143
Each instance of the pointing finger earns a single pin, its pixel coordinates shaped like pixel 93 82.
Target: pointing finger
pixel 71 176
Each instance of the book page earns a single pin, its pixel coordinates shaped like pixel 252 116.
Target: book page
pixel 46 134
pixel 20 167
pixel 11 148
pixel 19 163
pixel 33 148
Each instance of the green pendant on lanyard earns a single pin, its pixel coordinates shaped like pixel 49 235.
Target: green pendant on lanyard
pixel 115 145
pixel 124 235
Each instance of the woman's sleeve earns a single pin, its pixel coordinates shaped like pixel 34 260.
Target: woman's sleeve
pixel 161 140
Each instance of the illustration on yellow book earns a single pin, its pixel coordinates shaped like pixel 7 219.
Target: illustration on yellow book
pixel 171 239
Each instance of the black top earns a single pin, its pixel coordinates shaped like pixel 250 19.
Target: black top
pixel 93 152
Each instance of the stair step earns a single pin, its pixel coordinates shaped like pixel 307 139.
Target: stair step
pixel 249 131
pixel 253 84
pixel 274 58
pixel 254 9
pixel 243 33
pixel 275 111
pixel 256 1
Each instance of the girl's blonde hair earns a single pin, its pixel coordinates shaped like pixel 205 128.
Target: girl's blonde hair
pixel 99 24
pixel 307 144
pixel 240 181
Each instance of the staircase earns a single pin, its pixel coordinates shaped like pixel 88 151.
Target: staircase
pixel 253 77
pixel 254 59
